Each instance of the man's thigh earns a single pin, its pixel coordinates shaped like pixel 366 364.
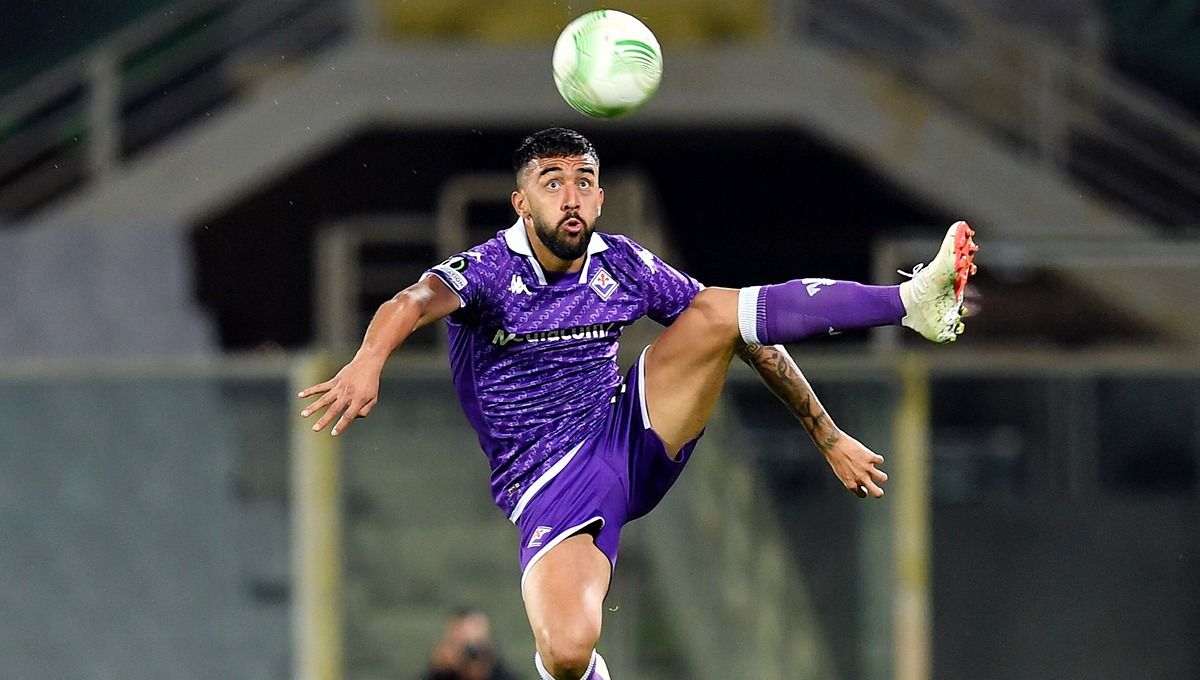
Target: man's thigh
pixel 687 365
pixel 652 468
pixel 565 574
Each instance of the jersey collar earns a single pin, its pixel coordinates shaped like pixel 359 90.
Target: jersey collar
pixel 518 242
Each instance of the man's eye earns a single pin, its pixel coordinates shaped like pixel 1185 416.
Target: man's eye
pixel 584 184
pixel 552 184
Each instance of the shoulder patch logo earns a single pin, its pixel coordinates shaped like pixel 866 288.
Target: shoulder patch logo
pixel 535 541
pixel 452 269
pixel 458 263
pixel 604 284
pixel 457 281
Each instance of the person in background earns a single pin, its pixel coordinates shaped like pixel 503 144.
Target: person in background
pixel 466 650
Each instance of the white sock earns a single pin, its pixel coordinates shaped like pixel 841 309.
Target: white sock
pixel 541 668
pixel 597 669
pixel 748 315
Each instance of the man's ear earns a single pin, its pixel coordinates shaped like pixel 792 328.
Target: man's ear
pixel 518 204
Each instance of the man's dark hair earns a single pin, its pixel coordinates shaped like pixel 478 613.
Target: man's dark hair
pixel 552 143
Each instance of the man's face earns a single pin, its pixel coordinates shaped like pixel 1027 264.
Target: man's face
pixel 561 197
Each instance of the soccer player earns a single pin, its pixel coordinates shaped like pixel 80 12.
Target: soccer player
pixel 576 450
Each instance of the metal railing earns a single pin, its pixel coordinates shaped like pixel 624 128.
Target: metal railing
pixel 77 122
pixel 1056 103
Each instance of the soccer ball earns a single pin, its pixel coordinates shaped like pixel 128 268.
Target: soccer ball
pixel 606 63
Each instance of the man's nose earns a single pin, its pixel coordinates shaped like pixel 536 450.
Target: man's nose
pixel 570 199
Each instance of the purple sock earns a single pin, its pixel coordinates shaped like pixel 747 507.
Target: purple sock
pixel 795 310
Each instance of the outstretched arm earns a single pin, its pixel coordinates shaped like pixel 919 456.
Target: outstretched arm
pixel 854 464
pixel 354 391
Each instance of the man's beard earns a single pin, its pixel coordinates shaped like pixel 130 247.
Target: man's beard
pixel 557 242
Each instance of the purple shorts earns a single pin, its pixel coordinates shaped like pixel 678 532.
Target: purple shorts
pixel 614 477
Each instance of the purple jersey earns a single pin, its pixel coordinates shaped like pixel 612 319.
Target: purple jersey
pixel 534 353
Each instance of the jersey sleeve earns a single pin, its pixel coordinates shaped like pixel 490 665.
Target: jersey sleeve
pixel 668 291
pixel 469 274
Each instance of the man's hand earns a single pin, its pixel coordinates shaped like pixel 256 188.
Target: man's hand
pixel 855 465
pixel 350 394
pixel 353 392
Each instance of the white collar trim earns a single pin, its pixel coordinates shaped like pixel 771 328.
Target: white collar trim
pixel 518 241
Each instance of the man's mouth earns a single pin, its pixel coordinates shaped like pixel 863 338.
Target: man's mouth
pixel 572 226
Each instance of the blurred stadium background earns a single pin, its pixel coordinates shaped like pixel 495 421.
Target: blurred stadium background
pixel 202 201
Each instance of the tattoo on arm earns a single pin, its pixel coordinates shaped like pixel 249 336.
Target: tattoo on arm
pixel 783 377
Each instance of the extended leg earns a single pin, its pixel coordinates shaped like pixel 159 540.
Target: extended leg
pixel 687 366
pixel 564 600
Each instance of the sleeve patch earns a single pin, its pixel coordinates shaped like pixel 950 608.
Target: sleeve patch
pixel 456 280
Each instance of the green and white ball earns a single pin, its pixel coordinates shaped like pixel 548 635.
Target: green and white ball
pixel 606 64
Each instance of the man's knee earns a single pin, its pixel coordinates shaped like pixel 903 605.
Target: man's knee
pixel 716 309
pixel 567 653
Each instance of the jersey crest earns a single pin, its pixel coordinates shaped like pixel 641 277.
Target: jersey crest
pixel 604 284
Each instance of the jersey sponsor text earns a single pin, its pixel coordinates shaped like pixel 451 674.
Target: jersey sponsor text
pixel 589 332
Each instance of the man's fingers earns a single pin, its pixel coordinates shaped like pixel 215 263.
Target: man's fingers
pixel 344 422
pixel 319 387
pixel 318 404
pixel 865 486
pixel 331 413
pixel 352 413
pixel 878 475
pixel 366 410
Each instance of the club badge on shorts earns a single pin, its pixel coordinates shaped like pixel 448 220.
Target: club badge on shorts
pixel 539 533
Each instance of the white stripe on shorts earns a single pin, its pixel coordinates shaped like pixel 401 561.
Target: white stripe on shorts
pixel 542 481
pixel 642 388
